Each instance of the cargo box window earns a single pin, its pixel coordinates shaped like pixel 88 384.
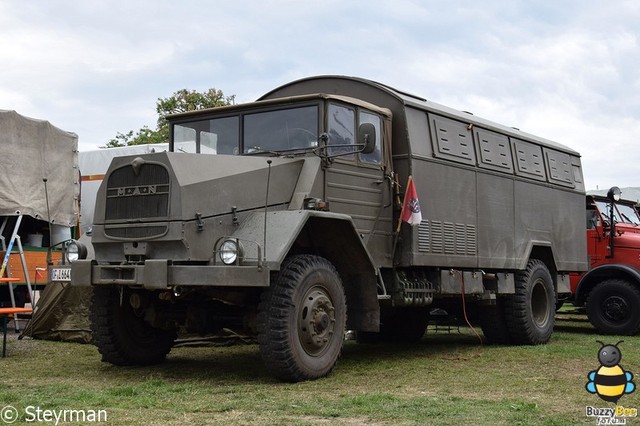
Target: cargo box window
pixel 452 140
pixel 577 170
pixel 559 167
pixel 341 129
pixel 529 161
pixel 494 151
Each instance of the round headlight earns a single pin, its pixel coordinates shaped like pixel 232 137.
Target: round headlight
pixel 229 252
pixel 614 194
pixel 75 251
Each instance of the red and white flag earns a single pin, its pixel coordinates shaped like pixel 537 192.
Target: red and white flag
pixel 411 206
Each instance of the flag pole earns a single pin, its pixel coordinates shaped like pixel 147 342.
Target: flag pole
pixel 397 233
pixel 404 203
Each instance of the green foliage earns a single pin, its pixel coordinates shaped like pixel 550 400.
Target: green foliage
pixel 181 101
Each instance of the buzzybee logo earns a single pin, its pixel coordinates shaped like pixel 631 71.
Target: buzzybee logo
pixel 610 381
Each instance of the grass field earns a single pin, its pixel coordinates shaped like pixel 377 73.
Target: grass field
pixel 445 379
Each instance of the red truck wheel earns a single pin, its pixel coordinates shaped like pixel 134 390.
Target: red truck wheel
pixel 613 307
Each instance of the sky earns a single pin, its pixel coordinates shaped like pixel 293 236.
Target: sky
pixel 563 70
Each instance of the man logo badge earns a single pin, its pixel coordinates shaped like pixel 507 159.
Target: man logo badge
pixel 130 191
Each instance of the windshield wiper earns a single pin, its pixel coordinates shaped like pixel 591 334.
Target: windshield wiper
pixel 282 153
pixel 255 150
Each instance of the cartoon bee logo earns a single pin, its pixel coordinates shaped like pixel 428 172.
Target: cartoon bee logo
pixel 610 381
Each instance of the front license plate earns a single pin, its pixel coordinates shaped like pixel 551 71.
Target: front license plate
pixel 61 274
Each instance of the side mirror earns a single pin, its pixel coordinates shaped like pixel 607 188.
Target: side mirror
pixel 367 138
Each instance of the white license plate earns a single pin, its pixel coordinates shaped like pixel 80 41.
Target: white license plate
pixel 61 274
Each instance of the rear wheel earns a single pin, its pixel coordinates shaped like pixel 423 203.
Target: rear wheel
pixel 120 332
pixel 613 307
pixel 530 312
pixel 493 323
pixel 301 319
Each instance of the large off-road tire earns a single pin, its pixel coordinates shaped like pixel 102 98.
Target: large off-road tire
pixel 494 324
pixel 613 307
pixel 121 334
pixel 530 312
pixel 302 319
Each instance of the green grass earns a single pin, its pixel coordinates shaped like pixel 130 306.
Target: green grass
pixel 445 379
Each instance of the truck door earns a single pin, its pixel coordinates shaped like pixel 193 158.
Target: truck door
pixel 594 232
pixel 355 183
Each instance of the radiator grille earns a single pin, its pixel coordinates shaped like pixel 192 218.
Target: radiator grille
pixel 137 196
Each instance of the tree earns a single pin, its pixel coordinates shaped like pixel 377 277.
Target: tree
pixel 181 101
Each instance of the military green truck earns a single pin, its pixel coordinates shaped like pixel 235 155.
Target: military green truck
pixel 283 217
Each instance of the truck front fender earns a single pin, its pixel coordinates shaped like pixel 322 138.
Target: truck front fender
pixel 330 235
pixel 602 272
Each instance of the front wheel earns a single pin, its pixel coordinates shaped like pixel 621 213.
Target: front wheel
pixel 613 307
pixel 530 312
pixel 302 319
pixel 120 332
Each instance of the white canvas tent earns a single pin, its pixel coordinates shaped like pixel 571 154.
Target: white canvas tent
pixel 39 178
pixel 30 152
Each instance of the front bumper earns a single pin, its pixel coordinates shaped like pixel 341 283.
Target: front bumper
pixel 160 275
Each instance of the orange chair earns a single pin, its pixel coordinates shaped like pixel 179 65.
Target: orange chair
pixel 6 313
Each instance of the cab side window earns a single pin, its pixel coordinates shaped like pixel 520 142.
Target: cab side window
pixel 341 128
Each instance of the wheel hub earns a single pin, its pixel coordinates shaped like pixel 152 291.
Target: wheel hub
pixel 539 304
pixel 615 308
pixel 317 321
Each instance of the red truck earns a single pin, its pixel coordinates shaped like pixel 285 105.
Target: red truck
pixel 610 290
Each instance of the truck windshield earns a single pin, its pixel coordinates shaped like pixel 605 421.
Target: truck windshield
pixel 623 213
pixel 273 130
pixel 628 213
pixel 604 207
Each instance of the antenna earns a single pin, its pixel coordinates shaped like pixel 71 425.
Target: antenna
pixel 46 198
pixel 266 205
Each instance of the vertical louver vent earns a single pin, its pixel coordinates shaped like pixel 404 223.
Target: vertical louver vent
pixel 447 238
pixel 141 195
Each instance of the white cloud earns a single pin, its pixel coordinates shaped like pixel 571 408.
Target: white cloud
pixel 565 71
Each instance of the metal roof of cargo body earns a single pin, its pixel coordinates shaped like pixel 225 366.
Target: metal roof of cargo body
pixel 397 101
pixel 275 101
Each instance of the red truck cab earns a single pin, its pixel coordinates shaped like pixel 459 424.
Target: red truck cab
pixel 610 290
